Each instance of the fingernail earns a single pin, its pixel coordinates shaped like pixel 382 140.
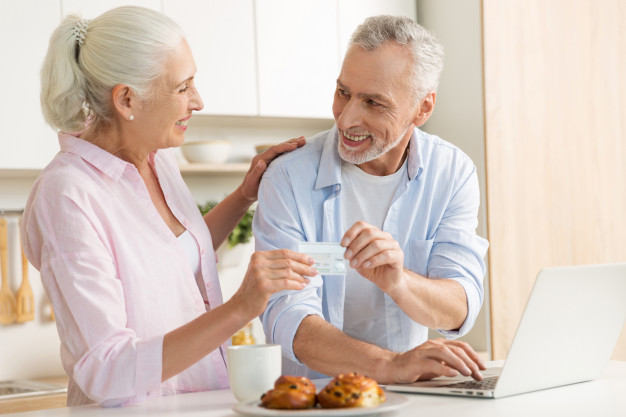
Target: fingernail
pixel 345 241
pixel 314 272
pixel 310 260
pixel 348 254
pixel 367 264
pixel 353 263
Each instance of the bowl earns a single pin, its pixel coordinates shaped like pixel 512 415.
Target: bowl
pixel 206 151
pixel 262 148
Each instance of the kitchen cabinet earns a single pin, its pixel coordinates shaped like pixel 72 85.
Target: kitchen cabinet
pixel 90 8
pixel 221 36
pixel 351 13
pixel 27 141
pixel 298 57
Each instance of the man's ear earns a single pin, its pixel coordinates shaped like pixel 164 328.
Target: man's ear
pixel 123 100
pixel 425 109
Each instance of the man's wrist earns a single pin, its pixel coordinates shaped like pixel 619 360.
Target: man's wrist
pixel 384 367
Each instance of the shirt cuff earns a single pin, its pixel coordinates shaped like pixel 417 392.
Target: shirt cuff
pixel 473 307
pixel 287 325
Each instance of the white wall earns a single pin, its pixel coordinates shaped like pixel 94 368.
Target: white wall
pixel 458 115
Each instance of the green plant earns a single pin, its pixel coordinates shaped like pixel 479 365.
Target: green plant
pixel 241 233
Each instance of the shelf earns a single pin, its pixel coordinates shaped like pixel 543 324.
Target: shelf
pixel 224 168
pixel 19 173
pixel 185 169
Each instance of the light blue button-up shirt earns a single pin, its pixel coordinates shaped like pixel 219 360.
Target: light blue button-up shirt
pixel 433 216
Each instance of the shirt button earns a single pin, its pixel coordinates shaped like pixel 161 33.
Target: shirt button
pixel 337 187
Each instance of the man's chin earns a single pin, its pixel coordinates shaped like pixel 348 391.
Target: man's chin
pixel 356 157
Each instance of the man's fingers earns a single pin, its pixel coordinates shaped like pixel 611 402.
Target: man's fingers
pixel 470 353
pixel 378 252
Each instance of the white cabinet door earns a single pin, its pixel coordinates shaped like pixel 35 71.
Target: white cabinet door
pixel 353 12
pixel 221 36
pixel 298 57
pixel 90 9
pixel 26 141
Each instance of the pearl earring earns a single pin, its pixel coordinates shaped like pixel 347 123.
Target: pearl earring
pixel 131 117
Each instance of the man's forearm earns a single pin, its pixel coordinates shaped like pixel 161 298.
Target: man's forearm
pixel 434 303
pixel 324 348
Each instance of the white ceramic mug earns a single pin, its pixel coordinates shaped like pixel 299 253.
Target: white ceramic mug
pixel 253 369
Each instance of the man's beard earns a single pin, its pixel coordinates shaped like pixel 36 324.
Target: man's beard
pixel 377 148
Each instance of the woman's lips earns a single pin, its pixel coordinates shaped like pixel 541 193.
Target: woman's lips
pixel 182 123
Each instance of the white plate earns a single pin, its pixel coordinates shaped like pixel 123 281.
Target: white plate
pixel 394 402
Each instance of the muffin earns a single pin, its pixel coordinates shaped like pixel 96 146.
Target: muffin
pixel 351 390
pixel 290 392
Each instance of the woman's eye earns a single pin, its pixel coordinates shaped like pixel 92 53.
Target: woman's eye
pixel 182 90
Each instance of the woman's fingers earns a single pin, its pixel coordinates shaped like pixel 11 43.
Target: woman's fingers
pixel 271 153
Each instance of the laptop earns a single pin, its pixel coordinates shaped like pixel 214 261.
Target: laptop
pixel 568 331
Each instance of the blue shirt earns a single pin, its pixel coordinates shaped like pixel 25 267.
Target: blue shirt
pixel 433 216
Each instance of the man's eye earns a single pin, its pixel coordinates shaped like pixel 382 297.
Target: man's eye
pixel 373 103
pixel 342 92
pixel 182 90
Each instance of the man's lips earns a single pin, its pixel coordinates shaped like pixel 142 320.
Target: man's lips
pixel 354 140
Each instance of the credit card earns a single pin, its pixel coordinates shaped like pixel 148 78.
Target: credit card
pixel 328 256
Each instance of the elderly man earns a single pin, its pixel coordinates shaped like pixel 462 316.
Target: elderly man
pixel 404 205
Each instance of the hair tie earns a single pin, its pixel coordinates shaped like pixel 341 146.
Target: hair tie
pixel 80 30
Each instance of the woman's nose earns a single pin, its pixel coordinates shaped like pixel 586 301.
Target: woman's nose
pixel 196 101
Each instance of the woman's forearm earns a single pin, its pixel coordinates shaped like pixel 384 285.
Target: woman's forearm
pixel 191 342
pixel 223 218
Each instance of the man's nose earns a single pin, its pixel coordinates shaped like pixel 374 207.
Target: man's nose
pixel 351 115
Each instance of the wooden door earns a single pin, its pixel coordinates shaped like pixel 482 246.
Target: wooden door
pixel 555 112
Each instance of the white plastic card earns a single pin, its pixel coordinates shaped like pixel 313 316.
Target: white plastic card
pixel 328 256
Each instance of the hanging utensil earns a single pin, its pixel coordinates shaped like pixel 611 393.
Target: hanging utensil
pixel 8 308
pixel 25 297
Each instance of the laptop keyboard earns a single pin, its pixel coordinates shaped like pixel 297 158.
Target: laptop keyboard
pixel 485 384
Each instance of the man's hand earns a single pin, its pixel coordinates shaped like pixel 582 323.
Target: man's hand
pixel 432 359
pixel 375 255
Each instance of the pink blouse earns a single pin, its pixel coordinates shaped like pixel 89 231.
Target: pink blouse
pixel 116 275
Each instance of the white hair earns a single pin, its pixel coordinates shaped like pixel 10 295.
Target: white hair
pixel 86 59
pixel 426 50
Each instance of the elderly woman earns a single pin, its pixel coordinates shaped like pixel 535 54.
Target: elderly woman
pixel 125 256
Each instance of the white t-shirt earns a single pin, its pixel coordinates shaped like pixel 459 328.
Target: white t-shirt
pixel 366 197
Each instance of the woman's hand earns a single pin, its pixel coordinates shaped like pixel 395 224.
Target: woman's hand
pixel 270 272
pixel 250 185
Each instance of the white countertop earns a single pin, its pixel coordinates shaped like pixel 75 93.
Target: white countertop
pixel 605 397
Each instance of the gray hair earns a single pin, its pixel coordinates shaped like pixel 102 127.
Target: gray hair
pixel 426 50
pixel 86 59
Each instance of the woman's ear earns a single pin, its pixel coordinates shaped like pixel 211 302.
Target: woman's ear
pixel 425 109
pixel 123 100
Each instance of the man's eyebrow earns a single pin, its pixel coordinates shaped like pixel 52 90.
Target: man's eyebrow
pixel 368 96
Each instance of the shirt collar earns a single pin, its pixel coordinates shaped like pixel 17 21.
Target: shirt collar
pixel 330 162
pixel 107 163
